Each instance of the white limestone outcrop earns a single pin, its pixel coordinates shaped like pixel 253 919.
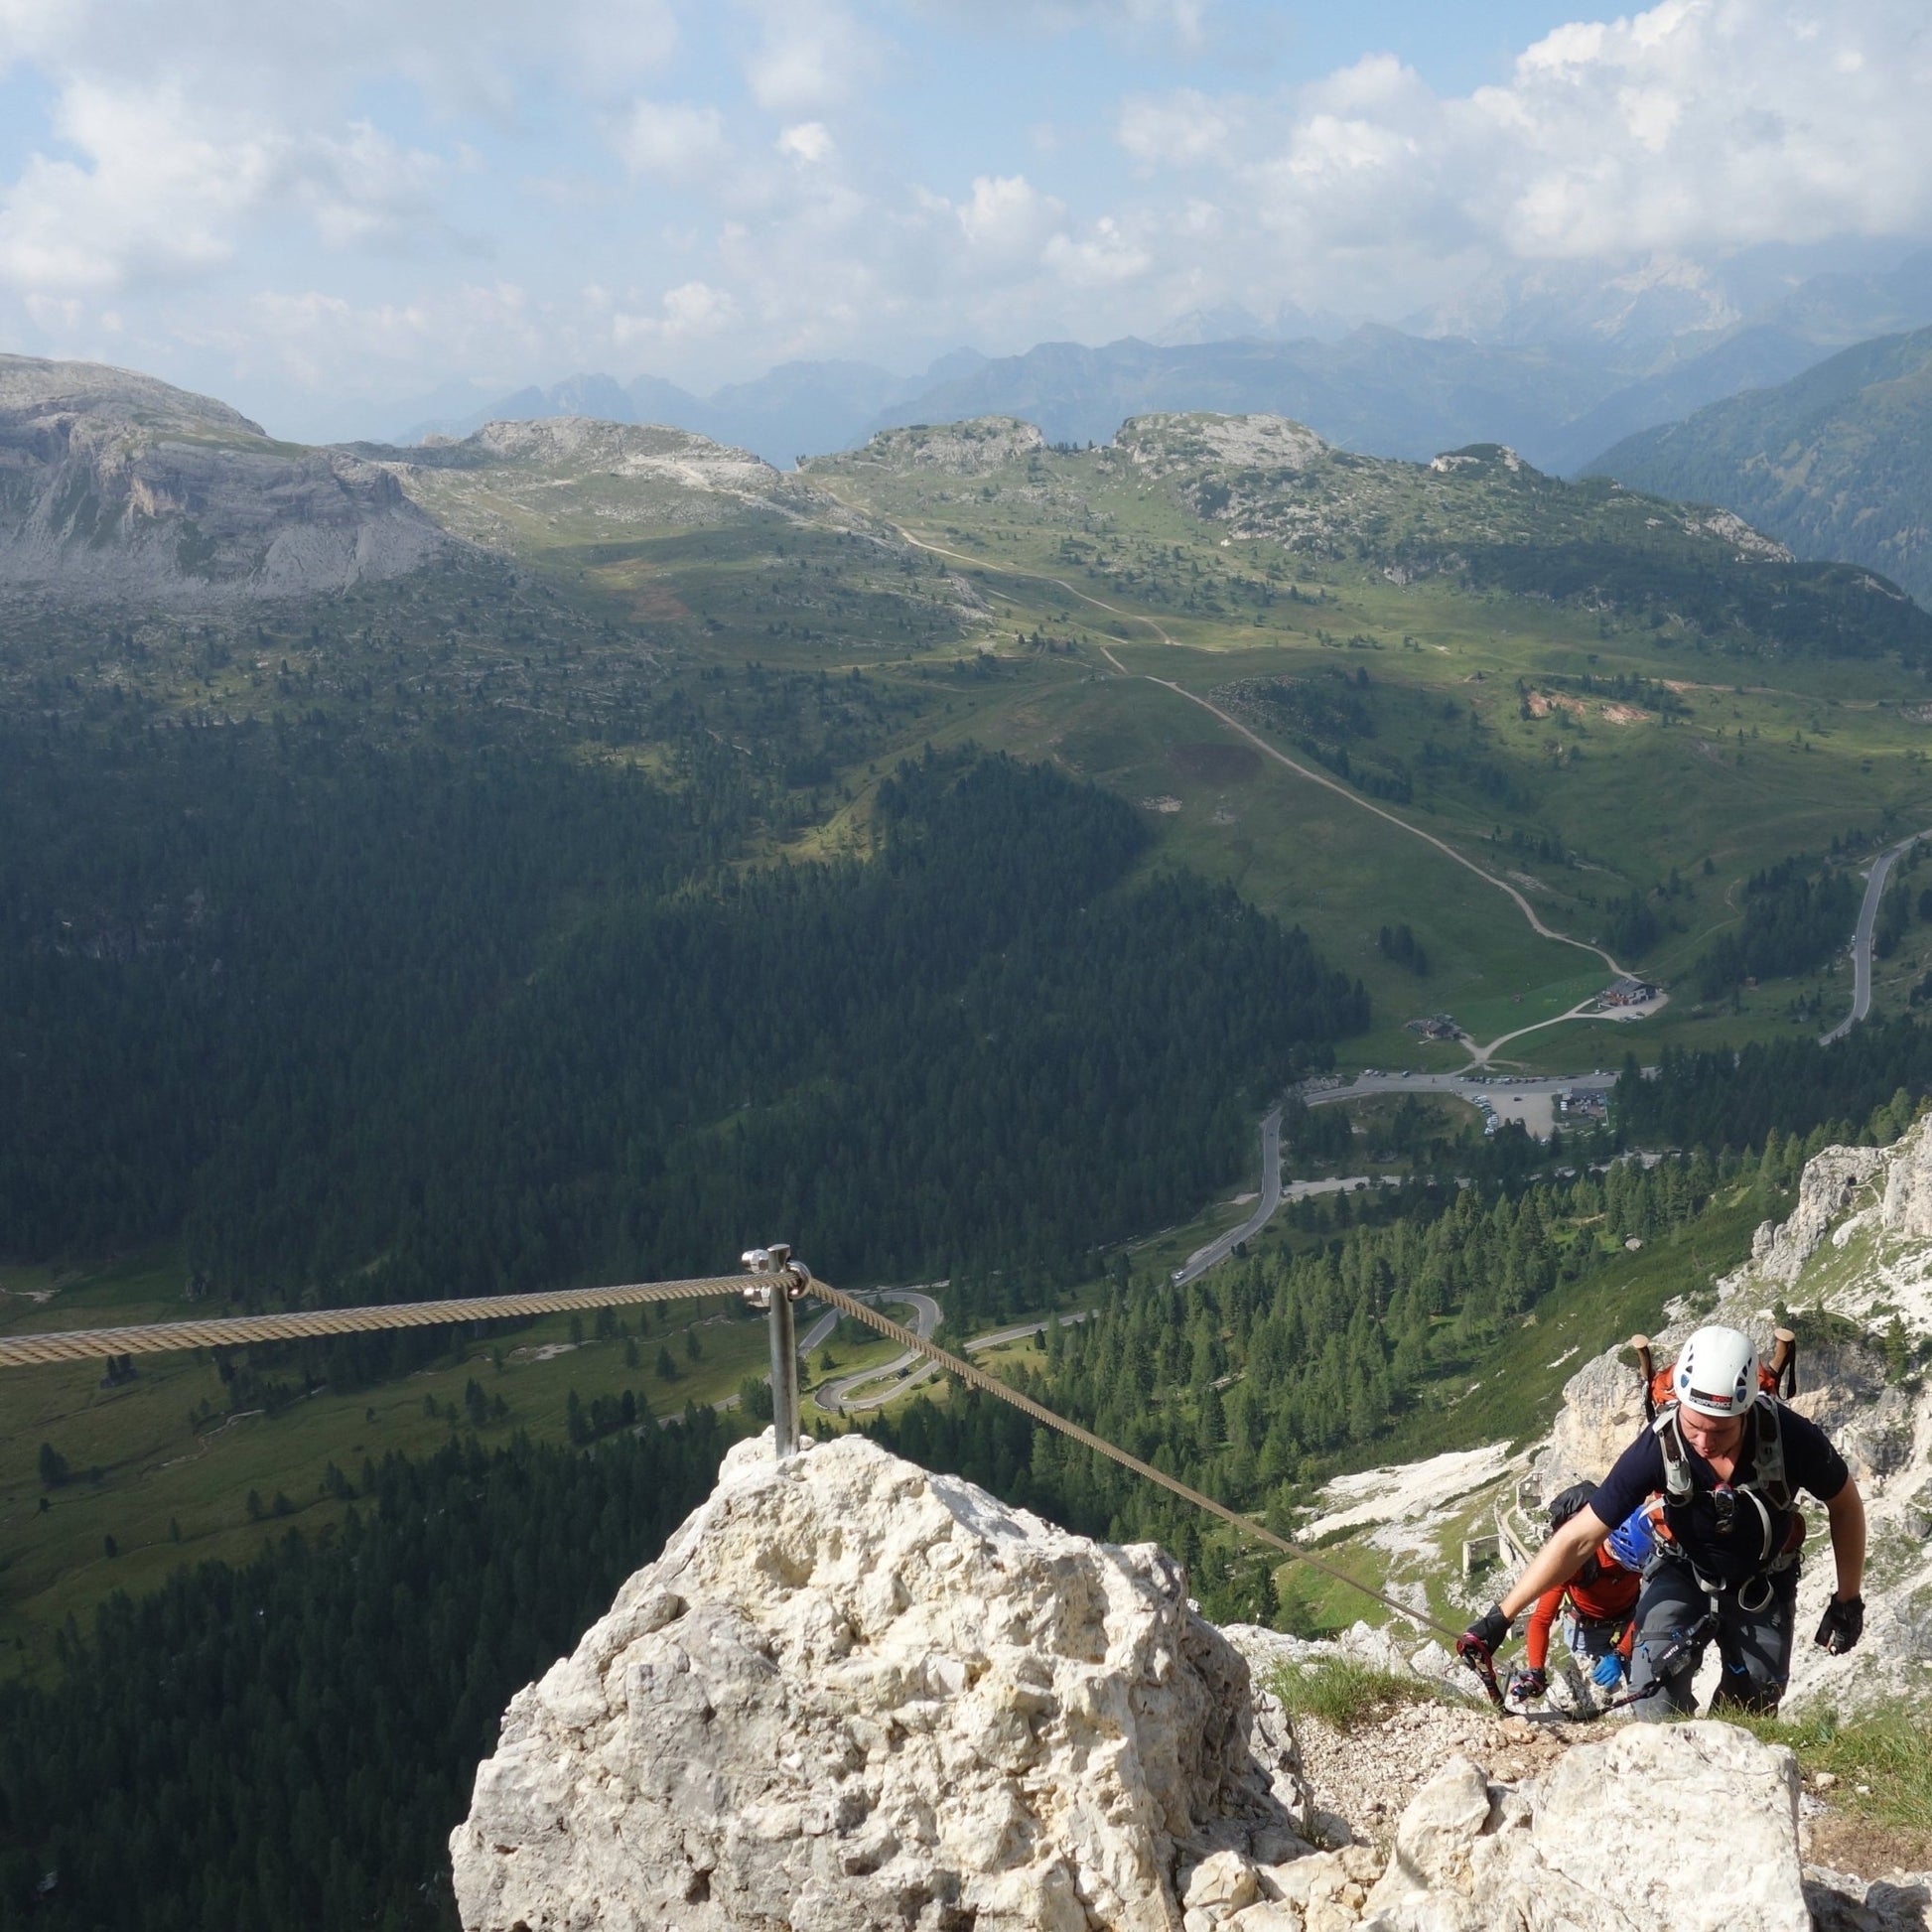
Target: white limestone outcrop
pixel 851 1694
pixel 1678 1827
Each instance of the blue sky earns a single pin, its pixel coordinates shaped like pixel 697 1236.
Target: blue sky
pixel 323 213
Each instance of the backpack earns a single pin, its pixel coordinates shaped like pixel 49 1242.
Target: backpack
pixel 1566 1505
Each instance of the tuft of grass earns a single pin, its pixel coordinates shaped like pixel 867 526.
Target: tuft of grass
pixel 1883 1759
pixel 1344 1694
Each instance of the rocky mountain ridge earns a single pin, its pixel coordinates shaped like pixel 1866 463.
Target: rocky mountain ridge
pixel 850 1694
pixel 1829 462
pixel 117 488
pixel 513 479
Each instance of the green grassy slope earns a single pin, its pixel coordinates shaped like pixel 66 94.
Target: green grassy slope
pixel 1581 749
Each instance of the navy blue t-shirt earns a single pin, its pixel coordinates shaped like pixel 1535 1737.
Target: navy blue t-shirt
pixel 1810 1463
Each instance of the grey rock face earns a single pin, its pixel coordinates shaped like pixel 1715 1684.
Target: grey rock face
pixel 967 449
pixel 116 487
pixel 1682 1828
pixel 850 1694
pixel 1831 1183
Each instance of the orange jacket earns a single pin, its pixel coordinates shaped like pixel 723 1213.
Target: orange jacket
pixel 1608 1598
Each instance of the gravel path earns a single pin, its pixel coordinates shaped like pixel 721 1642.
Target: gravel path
pixel 1368 1775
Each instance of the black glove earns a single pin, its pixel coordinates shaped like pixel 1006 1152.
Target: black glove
pixel 1487 1634
pixel 1527 1685
pixel 1841 1625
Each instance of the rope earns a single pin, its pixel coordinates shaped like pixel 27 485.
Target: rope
pixel 21 1351
pixel 979 1379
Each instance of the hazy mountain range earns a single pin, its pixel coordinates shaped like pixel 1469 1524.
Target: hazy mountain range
pixel 1560 365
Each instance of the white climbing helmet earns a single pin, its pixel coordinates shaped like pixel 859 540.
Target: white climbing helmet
pixel 1715 1373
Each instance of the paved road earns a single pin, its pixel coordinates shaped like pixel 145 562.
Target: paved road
pixel 926 1317
pixel 911 1370
pixel 1223 1245
pixel 819 1331
pixel 914 1368
pixel 1530 1098
pixel 1875 891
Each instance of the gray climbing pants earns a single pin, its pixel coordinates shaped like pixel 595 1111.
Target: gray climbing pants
pixel 1754 1645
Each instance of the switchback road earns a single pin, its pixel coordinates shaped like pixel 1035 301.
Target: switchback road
pixel 926 1317
pixel 909 1370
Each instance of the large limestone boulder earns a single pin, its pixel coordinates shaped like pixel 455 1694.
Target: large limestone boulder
pixel 851 1694
pixel 1660 1827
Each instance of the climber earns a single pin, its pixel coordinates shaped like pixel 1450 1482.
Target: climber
pixel 1726 1461
pixel 1596 1626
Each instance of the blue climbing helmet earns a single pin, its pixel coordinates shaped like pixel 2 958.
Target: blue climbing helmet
pixel 1633 1539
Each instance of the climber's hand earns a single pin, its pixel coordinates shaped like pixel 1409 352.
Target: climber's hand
pixel 1841 1625
pixel 1484 1637
pixel 1609 1673
pixel 1528 1685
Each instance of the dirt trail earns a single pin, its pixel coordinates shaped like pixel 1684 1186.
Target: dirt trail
pixel 1280 758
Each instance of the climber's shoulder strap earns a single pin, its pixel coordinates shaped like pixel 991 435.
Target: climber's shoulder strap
pixel 1767 1452
pixel 1677 1458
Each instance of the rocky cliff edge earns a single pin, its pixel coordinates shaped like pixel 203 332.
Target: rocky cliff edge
pixel 852 1695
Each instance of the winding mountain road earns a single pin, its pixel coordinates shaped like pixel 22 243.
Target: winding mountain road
pixel 1875 891
pixel 908 1370
pixel 926 1317
pixel 1223 1245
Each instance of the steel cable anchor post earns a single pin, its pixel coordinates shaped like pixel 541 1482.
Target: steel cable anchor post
pixel 795 1279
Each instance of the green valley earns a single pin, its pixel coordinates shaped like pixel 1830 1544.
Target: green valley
pixel 938 856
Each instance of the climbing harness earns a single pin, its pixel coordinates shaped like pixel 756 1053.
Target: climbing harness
pixel 1768 1495
pixel 1683 1647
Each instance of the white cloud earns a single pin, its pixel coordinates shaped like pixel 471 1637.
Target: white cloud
pixel 1182 21
pixel 1104 258
pixel 160 194
pixel 1009 217
pixel 809 54
pixel 182 131
pixel 810 142
pixel 1184 130
pixel 673 140
pixel 1708 124
pixel 693 309
pixel 322 341
pixel 219 167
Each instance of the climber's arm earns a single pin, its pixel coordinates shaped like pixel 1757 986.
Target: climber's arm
pixel 1557 1561
pixel 1845 1513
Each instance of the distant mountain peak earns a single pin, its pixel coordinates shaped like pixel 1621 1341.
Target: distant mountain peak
pixel 1827 462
